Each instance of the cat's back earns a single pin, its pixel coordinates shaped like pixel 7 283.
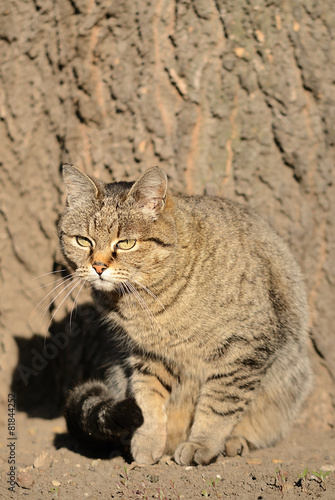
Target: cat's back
pixel 228 225
pixel 237 248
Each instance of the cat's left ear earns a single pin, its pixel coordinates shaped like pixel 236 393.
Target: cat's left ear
pixel 149 191
pixel 79 185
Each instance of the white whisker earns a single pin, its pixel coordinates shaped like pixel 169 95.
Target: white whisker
pixel 126 294
pixel 142 302
pixel 74 303
pixel 58 294
pixel 149 292
pixel 55 288
pixel 63 300
pixel 47 274
pixel 52 282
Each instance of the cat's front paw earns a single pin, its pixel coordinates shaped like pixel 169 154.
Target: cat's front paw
pixel 189 453
pixel 236 446
pixel 147 447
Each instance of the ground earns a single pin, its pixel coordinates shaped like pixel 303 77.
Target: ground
pixel 50 465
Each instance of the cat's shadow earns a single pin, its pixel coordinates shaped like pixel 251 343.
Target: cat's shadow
pixel 104 451
pixel 76 350
pixel 48 367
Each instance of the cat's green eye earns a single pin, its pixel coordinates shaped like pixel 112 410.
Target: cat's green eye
pixel 126 244
pixel 83 242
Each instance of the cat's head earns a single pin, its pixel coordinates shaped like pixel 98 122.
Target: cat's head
pixel 118 233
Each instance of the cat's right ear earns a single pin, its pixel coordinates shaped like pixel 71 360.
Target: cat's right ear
pixel 149 191
pixel 79 185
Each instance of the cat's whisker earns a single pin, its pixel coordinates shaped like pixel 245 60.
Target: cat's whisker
pixel 126 294
pixel 53 282
pixel 47 274
pixel 55 288
pixel 58 294
pixel 63 300
pixel 74 303
pixel 149 292
pixel 82 273
pixel 130 292
pixel 142 303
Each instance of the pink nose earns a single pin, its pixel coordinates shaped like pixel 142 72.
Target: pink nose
pixel 99 267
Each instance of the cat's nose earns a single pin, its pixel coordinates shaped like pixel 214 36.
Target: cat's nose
pixel 99 267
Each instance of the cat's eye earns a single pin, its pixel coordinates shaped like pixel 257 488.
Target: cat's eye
pixel 126 244
pixel 83 242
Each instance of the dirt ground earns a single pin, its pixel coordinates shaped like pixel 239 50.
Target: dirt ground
pixel 51 465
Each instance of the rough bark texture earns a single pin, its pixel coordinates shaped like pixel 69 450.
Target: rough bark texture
pixel 233 98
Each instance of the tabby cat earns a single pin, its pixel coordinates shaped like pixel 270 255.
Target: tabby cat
pixel 209 320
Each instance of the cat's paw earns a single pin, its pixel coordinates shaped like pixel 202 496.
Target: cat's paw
pixel 236 446
pixel 147 448
pixel 189 453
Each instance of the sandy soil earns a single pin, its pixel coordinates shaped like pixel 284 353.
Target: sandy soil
pixel 50 464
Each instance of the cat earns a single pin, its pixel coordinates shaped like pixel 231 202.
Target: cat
pixel 209 320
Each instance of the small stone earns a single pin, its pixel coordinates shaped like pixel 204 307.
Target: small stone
pixel 58 429
pixel 56 483
pixel 296 26
pixel 41 460
pixel 153 478
pixel 25 480
pixel 142 145
pixel 327 468
pixel 277 461
pixel 26 469
pixel 260 36
pixel 239 51
pixel 189 467
pixel 96 463
pixel 254 461
pixel 278 22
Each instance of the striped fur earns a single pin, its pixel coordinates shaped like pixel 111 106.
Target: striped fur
pixel 209 311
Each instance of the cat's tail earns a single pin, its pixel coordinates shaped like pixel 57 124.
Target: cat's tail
pixel 93 415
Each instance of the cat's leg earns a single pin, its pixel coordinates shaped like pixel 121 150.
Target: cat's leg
pixel 180 412
pixel 278 401
pixel 218 410
pixel 149 441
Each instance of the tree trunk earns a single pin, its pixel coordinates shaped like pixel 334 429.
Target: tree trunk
pixel 230 98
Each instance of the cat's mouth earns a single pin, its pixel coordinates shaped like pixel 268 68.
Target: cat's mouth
pixel 103 283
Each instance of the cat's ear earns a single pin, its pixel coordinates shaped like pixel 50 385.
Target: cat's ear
pixel 149 191
pixel 79 185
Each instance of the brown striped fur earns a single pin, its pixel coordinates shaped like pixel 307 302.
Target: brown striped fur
pixel 211 317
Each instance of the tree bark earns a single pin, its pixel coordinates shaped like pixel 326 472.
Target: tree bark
pixel 230 98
